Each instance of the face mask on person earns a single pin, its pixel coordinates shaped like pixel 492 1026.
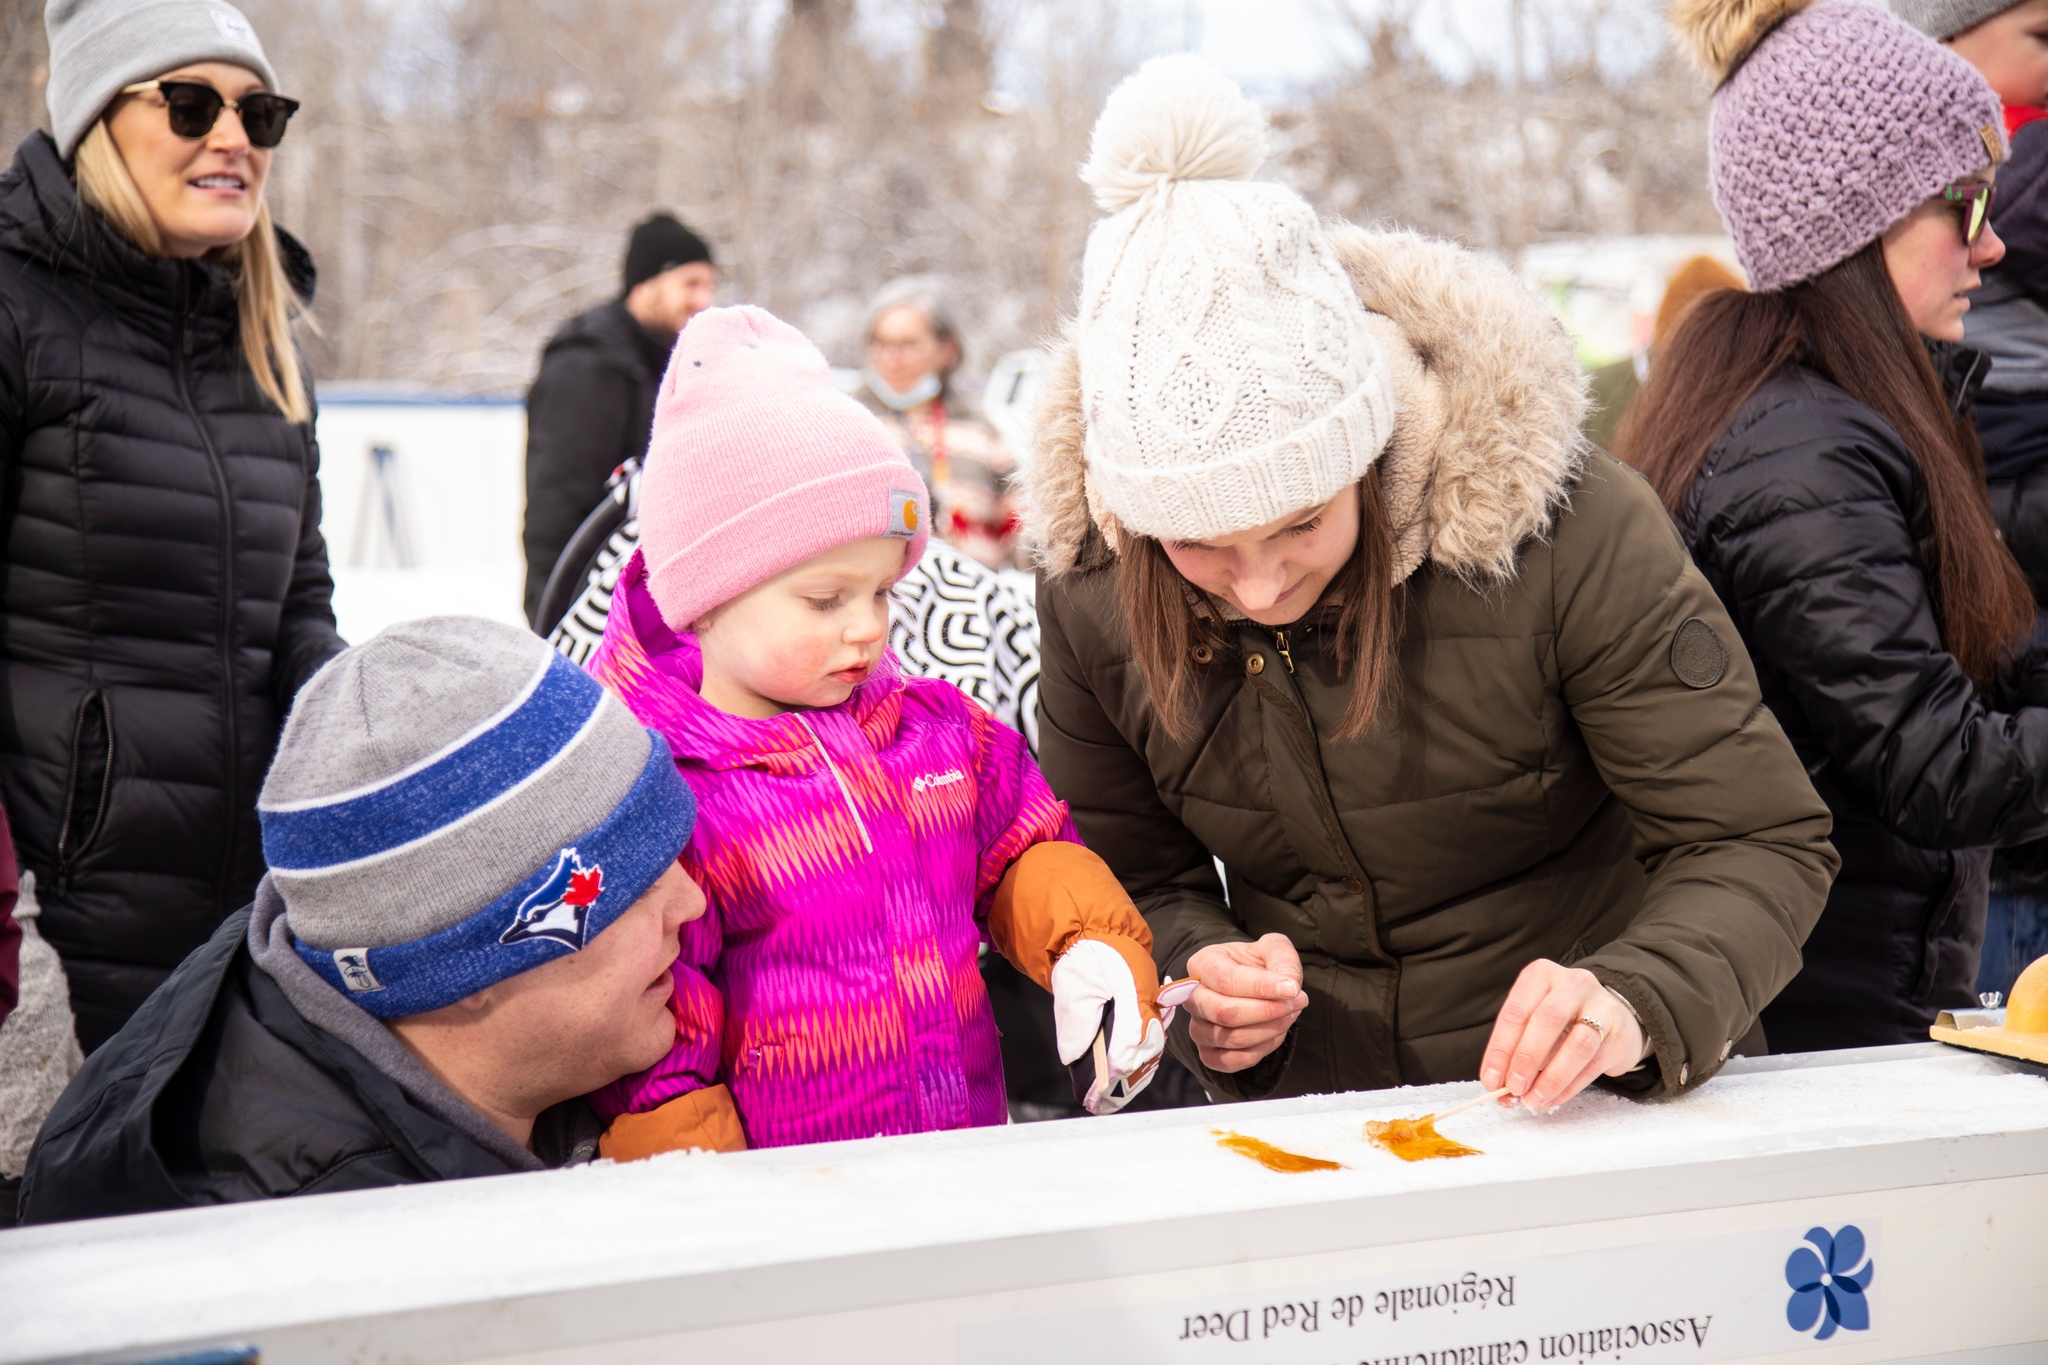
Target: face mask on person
pixel 923 391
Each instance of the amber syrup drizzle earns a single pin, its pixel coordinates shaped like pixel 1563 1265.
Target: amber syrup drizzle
pixel 1271 1157
pixel 1415 1139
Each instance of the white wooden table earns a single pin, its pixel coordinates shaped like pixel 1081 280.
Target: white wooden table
pixel 1610 1232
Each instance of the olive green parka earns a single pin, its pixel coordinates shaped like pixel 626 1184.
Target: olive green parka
pixel 1577 765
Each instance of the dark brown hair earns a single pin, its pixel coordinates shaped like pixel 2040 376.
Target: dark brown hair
pixel 1174 626
pixel 1848 325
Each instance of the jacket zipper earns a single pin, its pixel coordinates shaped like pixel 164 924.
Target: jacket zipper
pixel 1280 644
pixel 181 351
pixel 69 852
pixel 845 792
pixel 1324 804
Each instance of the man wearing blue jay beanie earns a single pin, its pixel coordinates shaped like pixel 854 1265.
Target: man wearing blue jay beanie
pixel 473 902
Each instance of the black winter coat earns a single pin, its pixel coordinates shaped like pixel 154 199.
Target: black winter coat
pixel 2013 426
pixel 591 408
pixel 2014 431
pixel 1810 519
pixel 163 588
pixel 219 1091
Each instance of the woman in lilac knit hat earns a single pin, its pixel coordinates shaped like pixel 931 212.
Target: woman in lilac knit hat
pixel 1810 440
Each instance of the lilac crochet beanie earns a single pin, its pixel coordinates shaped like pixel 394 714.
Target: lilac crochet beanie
pixel 1832 122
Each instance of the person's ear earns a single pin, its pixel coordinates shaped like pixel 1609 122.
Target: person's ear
pixel 951 360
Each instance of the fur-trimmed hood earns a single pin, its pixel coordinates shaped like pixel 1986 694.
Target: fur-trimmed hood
pixel 1486 441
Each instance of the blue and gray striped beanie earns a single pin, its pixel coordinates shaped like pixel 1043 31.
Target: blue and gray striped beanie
pixel 454 803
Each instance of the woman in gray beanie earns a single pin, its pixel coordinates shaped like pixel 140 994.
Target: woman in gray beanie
pixel 1808 437
pixel 165 588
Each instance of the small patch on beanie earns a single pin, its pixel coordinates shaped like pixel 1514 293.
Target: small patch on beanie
pixel 354 966
pixel 904 515
pixel 1993 144
pixel 559 908
pixel 234 27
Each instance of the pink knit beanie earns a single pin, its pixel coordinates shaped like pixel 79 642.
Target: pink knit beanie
pixel 1833 121
pixel 758 462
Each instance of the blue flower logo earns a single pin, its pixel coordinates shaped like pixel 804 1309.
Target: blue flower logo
pixel 1828 1283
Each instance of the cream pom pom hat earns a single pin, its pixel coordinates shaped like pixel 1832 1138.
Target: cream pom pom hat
pixel 1227 375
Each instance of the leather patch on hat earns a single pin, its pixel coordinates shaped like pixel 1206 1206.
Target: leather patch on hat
pixel 1994 145
pixel 1697 655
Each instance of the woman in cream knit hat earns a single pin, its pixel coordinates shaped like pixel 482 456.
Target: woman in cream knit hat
pixel 1334 593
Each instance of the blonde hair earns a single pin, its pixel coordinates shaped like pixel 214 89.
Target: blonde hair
pixel 263 296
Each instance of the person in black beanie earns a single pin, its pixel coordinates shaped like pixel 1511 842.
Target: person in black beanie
pixel 592 403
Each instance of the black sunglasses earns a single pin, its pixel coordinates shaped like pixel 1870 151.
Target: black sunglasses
pixel 194 109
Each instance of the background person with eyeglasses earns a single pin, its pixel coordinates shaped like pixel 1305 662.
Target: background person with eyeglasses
pixel 163 584
pixel 1810 438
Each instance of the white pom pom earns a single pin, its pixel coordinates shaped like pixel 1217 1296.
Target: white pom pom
pixel 1175 118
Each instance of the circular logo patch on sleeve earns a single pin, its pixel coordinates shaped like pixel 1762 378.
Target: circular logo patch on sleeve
pixel 1697 655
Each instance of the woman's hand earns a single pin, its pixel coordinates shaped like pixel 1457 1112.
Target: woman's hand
pixel 1539 1049
pixel 1249 997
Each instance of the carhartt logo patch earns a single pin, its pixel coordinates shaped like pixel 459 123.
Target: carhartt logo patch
pixel 931 780
pixel 905 515
pixel 354 966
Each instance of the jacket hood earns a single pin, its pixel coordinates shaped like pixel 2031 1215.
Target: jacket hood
pixel 42 220
pixel 1486 439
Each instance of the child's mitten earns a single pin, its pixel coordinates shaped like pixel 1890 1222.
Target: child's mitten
pixel 703 1120
pixel 1107 1038
pixel 1064 920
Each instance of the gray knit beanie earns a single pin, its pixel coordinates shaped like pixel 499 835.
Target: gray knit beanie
pixel 98 47
pixel 454 803
pixel 1942 20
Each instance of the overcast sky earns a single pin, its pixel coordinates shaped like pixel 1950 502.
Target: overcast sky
pixel 1274 47
pixel 1270 47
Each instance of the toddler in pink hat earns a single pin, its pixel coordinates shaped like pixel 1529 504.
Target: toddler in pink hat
pixel 860 833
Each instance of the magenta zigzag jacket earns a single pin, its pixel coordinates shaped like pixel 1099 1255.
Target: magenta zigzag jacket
pixel 849 856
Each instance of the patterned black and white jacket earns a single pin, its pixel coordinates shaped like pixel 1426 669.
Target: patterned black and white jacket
pixel 952 618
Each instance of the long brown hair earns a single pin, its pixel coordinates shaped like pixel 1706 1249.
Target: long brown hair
pixel 264 298
pixel 1174 627
pixel 1848 325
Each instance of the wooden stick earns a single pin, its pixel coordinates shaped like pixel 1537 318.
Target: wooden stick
pixel 1475 1101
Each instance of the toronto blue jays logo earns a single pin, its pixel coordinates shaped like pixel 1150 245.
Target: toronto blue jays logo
pixel 559 907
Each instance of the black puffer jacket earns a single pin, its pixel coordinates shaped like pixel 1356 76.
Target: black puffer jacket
pixel 165 588
pixel 1810 519
pixel 590 410
pixel 2014 430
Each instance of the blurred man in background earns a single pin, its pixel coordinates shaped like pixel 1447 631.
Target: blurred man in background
pixel 592 403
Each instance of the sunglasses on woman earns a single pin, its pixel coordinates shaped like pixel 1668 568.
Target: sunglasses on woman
pixel 194 109
pixel 1973 201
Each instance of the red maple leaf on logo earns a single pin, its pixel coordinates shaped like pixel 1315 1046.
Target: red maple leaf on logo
pixel 584 887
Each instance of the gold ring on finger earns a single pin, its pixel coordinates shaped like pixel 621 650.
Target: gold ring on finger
pixel 1594 1024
